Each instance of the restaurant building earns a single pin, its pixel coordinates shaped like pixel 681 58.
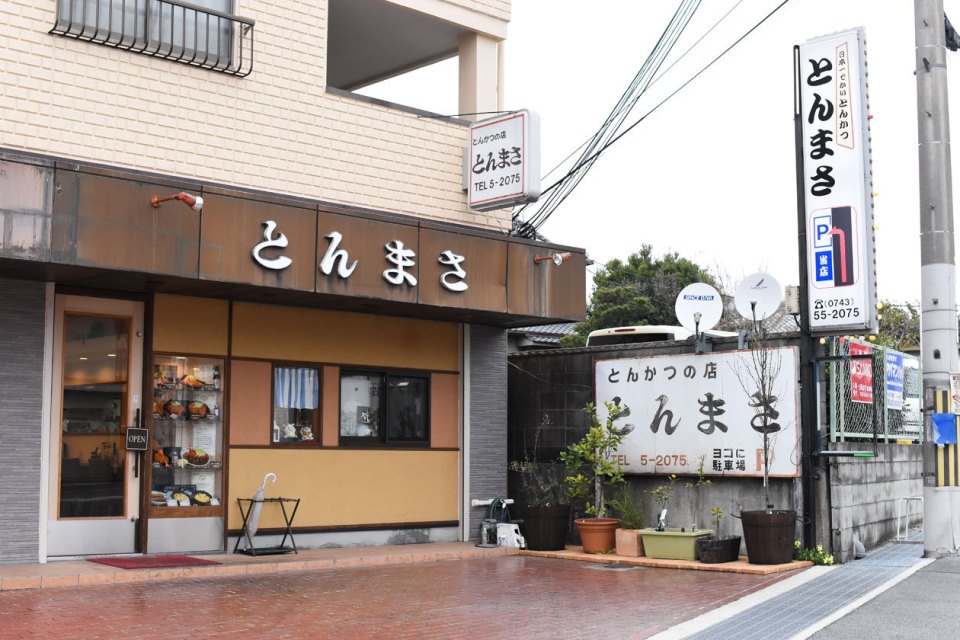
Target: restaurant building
pixel 266 271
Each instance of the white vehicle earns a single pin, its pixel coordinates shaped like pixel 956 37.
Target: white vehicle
pixel 645 333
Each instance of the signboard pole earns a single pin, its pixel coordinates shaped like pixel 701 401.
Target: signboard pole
pixel 809 425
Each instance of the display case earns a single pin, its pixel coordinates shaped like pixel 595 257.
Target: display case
pixel 187 448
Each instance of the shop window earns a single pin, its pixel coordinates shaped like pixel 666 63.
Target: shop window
pixel 296 405
pixel 384 408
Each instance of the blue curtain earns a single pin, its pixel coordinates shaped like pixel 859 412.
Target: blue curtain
pixel 295 388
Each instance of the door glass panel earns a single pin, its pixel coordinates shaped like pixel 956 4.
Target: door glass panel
pixel 95 370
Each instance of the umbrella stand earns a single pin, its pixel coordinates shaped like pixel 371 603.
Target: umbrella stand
pixel 253 522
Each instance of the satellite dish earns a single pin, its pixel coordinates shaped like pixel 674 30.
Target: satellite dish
pixel 758 296
pixel 699 307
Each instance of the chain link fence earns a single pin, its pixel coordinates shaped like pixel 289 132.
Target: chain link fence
pixel 876 394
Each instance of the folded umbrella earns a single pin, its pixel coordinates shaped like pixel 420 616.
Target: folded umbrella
pixel 253 522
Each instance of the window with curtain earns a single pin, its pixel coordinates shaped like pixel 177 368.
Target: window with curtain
pixel 296 405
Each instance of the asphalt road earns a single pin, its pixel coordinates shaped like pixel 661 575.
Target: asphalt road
pixel 923 605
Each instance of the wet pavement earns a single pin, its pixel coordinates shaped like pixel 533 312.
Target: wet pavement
pixel 497 596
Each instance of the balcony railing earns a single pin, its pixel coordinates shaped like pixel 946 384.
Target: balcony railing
pixel 168 29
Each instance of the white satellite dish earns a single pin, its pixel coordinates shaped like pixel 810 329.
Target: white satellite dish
pixel 699 307
pixel 758 296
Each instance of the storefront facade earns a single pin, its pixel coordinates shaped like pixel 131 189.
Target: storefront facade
pixel 312 307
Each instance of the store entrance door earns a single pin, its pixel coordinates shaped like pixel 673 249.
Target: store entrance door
pixel 94 495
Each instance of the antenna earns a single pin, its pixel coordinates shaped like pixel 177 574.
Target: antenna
pixel 758 296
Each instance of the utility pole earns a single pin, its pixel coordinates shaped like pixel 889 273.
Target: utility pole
pixel 938 305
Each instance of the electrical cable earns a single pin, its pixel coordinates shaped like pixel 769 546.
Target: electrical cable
pixel 655 80
pixel 542 219
pixel 628 100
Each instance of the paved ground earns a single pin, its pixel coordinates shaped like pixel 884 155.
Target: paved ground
pixel 923 605
pixel 499 597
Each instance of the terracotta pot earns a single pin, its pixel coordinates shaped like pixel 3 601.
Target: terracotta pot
pixel 629 543
pixel 598 535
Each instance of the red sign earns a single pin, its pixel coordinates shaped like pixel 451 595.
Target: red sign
pixel 861 373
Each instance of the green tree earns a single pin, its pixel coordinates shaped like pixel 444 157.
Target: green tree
pixel 899 325
pixel 642 290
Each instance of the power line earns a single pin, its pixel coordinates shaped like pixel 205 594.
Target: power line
pixel 540 220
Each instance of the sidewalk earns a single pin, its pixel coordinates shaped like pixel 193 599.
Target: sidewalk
pixel 73 573
pixel 804 604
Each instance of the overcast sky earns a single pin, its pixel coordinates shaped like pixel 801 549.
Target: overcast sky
pixel 711 173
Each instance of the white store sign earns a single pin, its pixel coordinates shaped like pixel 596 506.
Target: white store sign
pixel 503 162
pixel 837 191
pixel 684 407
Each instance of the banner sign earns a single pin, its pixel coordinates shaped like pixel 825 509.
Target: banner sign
pixel 894 380
pixel 837 193
pixel 681 409
pixel 861 373
pixel 503 166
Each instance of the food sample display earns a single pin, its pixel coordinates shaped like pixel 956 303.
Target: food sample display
pixel 187 447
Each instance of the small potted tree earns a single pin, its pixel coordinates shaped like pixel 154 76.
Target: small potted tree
pixel 542 499
pixel 717 548
pixel 590 473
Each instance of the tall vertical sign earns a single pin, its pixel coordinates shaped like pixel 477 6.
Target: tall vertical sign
pixel 837 189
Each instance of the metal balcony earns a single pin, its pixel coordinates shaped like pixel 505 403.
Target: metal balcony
pixel 168 29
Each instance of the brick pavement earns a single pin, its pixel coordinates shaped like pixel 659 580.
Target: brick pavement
pixel 506 596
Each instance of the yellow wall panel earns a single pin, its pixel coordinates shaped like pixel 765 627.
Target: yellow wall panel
pixel 183 324
pixel 311 335
pixel 348 487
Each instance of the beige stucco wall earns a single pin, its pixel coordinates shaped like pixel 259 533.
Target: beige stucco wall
pixel 276 130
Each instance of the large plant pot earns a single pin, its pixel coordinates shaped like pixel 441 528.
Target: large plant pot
pixel 672 543
pixel 716 550
pixel 598 535
pixel 629 543
pixel 545 528
pixel 768 535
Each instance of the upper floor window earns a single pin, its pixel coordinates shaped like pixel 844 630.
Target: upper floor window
pixel 203 33
pixel 381 407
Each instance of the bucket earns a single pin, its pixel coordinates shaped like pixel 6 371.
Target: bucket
pixel 768 535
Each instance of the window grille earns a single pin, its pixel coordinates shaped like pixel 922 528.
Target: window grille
pixel 201 36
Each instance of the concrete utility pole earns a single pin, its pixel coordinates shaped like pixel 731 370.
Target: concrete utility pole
pixel 938 305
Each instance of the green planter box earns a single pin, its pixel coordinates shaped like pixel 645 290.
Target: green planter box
pixel 672 544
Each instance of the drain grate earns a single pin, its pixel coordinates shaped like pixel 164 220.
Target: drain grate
pixel 614 566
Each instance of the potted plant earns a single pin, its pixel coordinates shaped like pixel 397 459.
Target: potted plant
pixel 670 542
pixel 701 482
pixel 590 472
pixel 717 548
pixel 768 533
pixel 629 542
pixel 542 503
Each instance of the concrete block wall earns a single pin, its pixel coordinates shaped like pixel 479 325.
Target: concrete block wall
pixel 864 493
pixel 277 130
pixel 21 381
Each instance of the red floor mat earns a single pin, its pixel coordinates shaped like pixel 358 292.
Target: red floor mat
pixel 153 562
